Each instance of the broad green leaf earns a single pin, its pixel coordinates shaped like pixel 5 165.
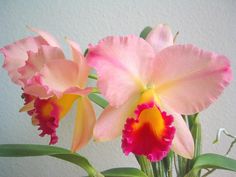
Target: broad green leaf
pixel 98 100
pixel 214 161
pixel 145 32
pixel 123 172
pixel 28 150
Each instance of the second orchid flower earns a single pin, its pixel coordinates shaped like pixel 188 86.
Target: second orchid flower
pixel 149 84
pixel 51 84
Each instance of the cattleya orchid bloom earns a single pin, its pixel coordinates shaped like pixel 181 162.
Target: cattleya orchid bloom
pixel 51 84
pixel 149 84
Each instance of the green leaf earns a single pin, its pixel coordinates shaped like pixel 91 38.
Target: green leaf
pixel 214 161
pixel 98 100
pixel 85 52
pixel 145 32
pixel 29 150
pixel 93 76
pixel 123 172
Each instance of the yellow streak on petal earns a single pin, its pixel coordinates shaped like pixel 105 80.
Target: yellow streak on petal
pixel 84 124
pixel 65 103
pixel 147 96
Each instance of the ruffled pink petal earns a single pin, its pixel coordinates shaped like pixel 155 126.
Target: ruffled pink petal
pixel 121 64
pixel 36 88
pixel 46 36
pixel 37 60
pixel 56 78
pixel 160 37
pixel 79 58
pixel 189 79
pixel 79 91
pixel 16 54
pixel 112 120
pixel 84 124
pixel 149 134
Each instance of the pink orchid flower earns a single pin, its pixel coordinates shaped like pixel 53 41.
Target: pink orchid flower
pixel 149 84
pixel 51 84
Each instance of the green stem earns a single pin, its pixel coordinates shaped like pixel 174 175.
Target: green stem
pixel 145 32
pixel 161 169
pixel 154 167
pixel 146 165
pixel 181 165
pixel 98 100
pixel 182 162
pixel 93 76
pixel 168 162
pixel 195 127
pixel 209 172
pixel 175 165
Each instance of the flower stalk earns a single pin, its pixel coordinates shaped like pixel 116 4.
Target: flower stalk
pixel 168 161
pixel 145 165
pixel 196 130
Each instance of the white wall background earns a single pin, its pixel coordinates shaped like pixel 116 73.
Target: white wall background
pixel 208 24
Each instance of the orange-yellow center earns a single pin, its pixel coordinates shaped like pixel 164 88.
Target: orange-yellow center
pixel 151 116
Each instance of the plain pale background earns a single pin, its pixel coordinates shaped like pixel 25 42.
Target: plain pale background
pixel 208 24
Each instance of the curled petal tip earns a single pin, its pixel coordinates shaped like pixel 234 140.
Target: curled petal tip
pixel 27 107
pixel 84 124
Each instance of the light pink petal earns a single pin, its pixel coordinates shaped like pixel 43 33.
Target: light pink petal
pixel 79 58
pixel 56 77
pixel 182 143
pixel 84 124
pixel 79 91
pixel 160 37
pixel 76 51
pixel 189 79
pixel 121 64
pixel 112 120
pixel 16 54
pixel 37 60
pixel 37 89
pixel 46 36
